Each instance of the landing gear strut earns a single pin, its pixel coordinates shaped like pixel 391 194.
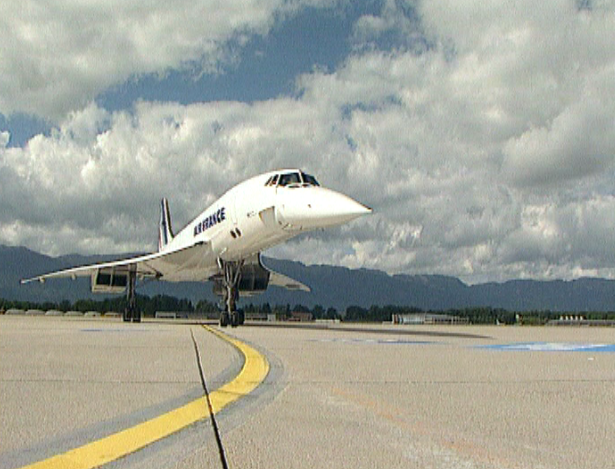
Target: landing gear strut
pixel 232 276
pixel 131 312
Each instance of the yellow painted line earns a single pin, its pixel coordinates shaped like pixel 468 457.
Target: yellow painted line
pixel 252 374
pixel 132 439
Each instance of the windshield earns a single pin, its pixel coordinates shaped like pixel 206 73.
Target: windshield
pixel 309 179
pixel 288 179
pixel 292 180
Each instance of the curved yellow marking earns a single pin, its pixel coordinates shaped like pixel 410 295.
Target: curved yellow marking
pixel 132 439
pixel 252 374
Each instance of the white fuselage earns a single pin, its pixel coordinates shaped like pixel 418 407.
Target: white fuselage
pixel 254 216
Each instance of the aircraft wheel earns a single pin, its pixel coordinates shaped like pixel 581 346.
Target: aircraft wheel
pixel 136 316
pixel 234 319
pixel 241 317
pixel 224 319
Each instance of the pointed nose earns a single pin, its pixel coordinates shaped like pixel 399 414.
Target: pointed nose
pixel 339 208
pixel 316 207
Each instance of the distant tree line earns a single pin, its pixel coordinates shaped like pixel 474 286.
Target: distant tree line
pixel 150 305
pixel 476 315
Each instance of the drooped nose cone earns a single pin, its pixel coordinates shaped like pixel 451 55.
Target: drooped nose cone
pixel 316 207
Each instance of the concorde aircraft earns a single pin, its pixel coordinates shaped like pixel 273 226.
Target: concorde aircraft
pixel 224 243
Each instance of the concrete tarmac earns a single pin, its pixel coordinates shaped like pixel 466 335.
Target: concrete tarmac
pixel 65 382
pixel 376 396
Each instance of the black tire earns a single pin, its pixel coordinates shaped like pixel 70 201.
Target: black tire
pixel 234 319
pixel 241 317
pixel 136 316
pixel 224 319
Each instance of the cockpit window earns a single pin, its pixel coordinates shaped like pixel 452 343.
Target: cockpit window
pixel 297 179
pixel 272 181
pixel 309 180
pixel 290 178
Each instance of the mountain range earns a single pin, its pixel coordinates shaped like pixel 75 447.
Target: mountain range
pixel 332 286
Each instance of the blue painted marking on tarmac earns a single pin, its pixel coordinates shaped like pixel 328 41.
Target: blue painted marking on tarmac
pixel 549 347
pixel 376 341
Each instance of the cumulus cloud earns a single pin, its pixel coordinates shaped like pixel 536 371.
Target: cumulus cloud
pixel 397 26
pixel 577 143
pixel 56 57
pixel 4 138
pixel 488 154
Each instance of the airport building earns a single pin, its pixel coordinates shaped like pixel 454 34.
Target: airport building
pixel 580 321
pixel 428 318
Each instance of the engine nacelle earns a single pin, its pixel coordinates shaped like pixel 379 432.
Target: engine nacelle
pixel 254 280
pixel 109 281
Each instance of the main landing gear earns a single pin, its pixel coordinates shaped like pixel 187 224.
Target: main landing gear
pixel 131 313
pixel 232 276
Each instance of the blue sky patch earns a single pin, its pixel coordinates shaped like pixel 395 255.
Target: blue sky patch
pixel 265 68
pixel 23 127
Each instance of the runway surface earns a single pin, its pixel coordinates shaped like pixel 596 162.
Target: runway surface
pixel 377 396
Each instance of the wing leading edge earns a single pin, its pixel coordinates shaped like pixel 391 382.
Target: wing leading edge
pixel 173 265
pixel 280 280
pixel 191 264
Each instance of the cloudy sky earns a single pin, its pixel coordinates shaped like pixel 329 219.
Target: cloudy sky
pixel 482 133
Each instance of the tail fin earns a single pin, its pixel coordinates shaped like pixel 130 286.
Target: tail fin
pixel 165 232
